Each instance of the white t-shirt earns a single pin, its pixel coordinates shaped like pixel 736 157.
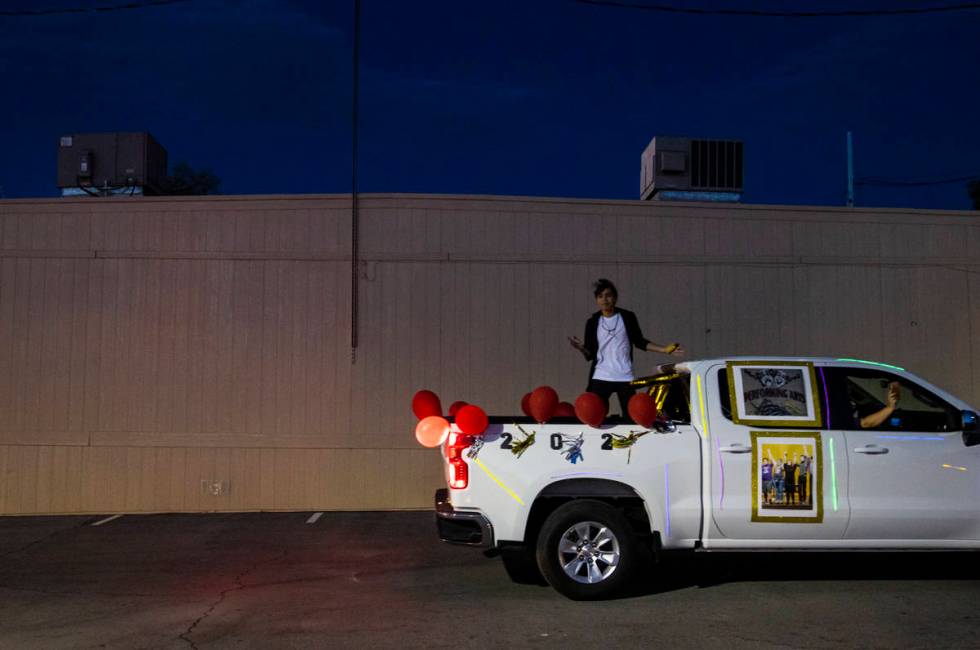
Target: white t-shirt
pixel 613 359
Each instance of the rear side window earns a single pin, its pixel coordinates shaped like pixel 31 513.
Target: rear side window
pixel 724 396
pixel 859 400
pixel 672 394
pixel 677 403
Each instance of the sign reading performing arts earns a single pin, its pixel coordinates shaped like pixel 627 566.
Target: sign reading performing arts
pixel 774 393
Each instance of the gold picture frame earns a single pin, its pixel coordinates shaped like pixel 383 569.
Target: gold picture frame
pixel 795 500
pixel 774 393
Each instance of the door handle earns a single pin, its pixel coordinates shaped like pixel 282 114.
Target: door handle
pixel 871 449
pixel 735 449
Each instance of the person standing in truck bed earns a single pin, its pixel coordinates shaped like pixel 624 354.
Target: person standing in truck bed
pixel 610 336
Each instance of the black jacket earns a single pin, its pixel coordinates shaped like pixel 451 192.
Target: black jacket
pixel 591 338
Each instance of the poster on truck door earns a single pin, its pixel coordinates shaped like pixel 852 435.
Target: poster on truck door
pixel 787 467
pixel 774 394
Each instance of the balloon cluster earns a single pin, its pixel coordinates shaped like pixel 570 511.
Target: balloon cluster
pixel 542 404
pixel 433 429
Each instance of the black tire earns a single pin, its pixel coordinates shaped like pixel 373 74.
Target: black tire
pixel 587 550
pixel 522 567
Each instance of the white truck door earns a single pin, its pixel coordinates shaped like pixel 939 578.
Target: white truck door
pixel 753 504
pixel 911 475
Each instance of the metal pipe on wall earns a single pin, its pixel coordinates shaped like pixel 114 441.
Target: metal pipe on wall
pixel 354 216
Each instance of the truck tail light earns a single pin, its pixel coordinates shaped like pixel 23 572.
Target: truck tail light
pixel 459 471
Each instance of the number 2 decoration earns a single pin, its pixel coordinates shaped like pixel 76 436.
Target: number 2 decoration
pixel 518 448
pixel 571 446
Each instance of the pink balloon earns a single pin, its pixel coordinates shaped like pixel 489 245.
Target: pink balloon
pixel 432 431
pixel 471 420
pixel 455 406
pixel 542 403
pixel 590 409
pixel 426 403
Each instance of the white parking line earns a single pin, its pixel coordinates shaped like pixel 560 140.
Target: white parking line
pixel 106 520
pixel 313 519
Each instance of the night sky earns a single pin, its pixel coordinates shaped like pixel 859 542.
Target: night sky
pixel 543 98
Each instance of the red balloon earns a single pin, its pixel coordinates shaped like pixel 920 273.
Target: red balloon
pixel 542 403
pixel 432 431
pixel 643 410
pixel 526 404
pixel 455 406
pixel 426 403
pixel 471 420
pixel 590 409
pixel 565 410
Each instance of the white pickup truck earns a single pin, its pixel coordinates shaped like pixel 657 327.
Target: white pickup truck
pixel 747 453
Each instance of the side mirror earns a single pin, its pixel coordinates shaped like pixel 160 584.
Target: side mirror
pixel 971 429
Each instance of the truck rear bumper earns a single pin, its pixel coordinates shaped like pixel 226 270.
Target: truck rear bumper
pixel 469 528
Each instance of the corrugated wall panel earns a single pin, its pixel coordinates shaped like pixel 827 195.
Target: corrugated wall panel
pixel 972 309
pixel 78 273
pixel 838 312
pixel 6 506
pixel 148 345
pixel 940 323
pixel 8 370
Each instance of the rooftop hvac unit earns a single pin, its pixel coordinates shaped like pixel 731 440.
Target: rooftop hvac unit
pixel 691 169
pixel 103 164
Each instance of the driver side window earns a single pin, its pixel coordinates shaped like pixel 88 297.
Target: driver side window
pixel 875 400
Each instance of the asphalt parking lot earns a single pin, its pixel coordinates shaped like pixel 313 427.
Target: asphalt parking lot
pixel 275 580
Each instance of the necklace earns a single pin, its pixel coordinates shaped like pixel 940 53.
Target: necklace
pixel 615 321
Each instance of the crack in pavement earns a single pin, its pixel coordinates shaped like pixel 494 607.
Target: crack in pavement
pixel 43 539
pixel 350 576
pixel 185 635
pixel 86 592
pixel 309 579
pixel 763 642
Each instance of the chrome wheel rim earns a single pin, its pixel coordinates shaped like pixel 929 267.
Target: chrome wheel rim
pixel 588 552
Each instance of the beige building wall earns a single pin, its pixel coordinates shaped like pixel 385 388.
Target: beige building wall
pixel 147 345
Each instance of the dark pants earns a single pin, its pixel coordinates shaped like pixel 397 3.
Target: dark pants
pixel 791 493
pixel 605 389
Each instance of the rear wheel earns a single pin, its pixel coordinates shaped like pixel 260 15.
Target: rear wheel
pixel 587 550
pixel 521 566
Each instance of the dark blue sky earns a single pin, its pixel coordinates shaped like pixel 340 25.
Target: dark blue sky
pixel 546 98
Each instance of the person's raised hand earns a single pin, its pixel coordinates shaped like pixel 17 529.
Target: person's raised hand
pixel 894 394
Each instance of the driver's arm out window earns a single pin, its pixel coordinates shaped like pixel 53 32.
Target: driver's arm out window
pixel 860 393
